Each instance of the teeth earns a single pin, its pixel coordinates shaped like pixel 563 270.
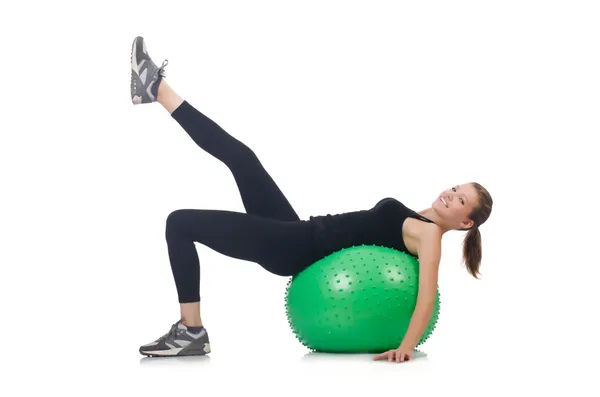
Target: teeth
pixel 443 201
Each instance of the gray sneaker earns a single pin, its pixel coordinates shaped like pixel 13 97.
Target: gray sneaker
pixel 145 75
pixel 179 341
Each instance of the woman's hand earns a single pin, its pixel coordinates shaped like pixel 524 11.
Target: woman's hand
pixel 399 355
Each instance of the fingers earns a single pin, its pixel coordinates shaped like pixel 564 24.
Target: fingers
pixel 388 354
pixel 394 355
pixel 400 357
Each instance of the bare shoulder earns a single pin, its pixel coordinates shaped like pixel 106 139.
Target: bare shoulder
pixel 418 235
pixel 431 231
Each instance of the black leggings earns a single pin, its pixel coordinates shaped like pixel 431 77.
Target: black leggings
pixel 270 233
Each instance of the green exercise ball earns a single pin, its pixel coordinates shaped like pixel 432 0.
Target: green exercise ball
pixel 356 300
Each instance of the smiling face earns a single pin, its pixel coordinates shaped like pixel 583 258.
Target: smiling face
pixel 455 204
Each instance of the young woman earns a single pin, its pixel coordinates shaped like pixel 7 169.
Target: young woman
pixel 271 234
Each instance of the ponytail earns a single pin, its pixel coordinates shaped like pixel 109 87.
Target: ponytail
pixel 472 251
pixel 472 241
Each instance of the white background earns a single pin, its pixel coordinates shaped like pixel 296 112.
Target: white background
pixel 345 102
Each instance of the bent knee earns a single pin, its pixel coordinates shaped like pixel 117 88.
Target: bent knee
pixel 177 221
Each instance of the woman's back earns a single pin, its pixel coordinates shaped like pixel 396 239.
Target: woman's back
pixel 380 225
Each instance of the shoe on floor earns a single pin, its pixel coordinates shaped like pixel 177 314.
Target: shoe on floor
pixel 145 75
pixel 179 341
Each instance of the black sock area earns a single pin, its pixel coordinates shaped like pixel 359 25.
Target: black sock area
pixel 195 330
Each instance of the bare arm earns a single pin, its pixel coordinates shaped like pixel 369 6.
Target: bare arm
pixel 429 253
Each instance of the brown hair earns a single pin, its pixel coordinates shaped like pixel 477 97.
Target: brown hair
pixel 472 241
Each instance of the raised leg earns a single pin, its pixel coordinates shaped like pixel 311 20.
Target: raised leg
pixel 260 194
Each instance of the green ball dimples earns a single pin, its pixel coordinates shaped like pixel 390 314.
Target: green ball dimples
pixel 356 300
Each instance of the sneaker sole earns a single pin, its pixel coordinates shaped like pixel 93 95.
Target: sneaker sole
pixel 137 100
pixel 181 351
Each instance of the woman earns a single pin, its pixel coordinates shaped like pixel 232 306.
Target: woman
pixel 271 234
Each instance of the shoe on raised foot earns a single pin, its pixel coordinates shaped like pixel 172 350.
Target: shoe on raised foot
pixel 145 75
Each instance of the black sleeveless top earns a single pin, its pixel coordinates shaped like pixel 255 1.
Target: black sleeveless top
pixel 380 225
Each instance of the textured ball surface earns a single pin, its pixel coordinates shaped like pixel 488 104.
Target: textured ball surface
pixel 357 300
